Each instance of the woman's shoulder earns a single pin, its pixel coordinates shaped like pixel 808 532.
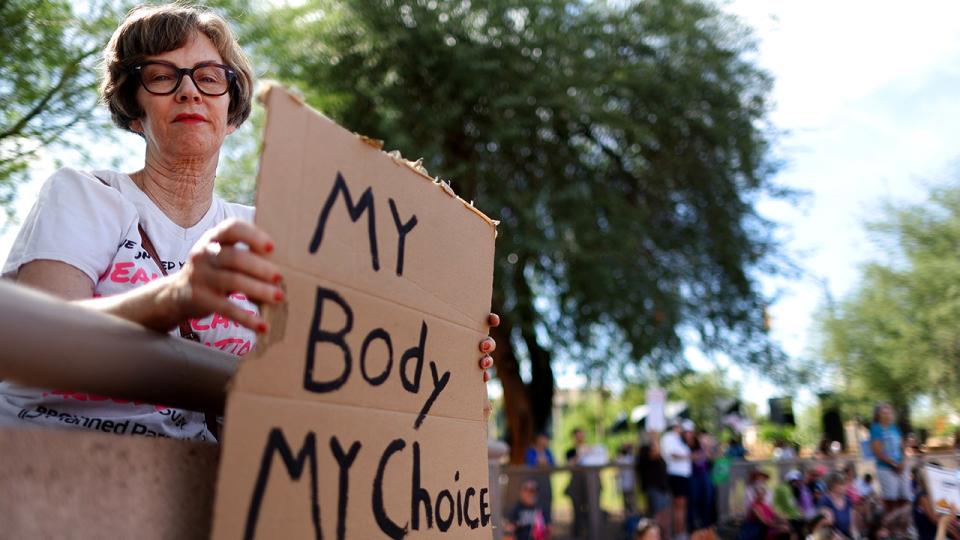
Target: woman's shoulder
pixel 87 185
pixel 237 210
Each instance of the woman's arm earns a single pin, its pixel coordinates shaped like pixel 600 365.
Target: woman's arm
pixel 214 268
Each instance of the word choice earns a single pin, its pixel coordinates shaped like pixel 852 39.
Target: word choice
pixel 463 506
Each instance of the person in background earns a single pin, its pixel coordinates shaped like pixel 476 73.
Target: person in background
pixel 627 479
pixel 646 529
pixel 735 448
pixel 676 454
pixel 861 505
pixel 925 516
pixel 887 445
pixel 700 508
pixel 838 503
pixel 820 527
pixel 814 482
pixel 652 472
pixel 787 497
pixel 762 522
pixel 783 451
pixel 525 521
pixel 577 488
pixel 539 455
pixel 865 485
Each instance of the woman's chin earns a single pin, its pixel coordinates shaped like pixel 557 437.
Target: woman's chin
pixel 194 147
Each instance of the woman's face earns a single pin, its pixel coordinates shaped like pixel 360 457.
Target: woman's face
pixel 839 488
pixel 185 124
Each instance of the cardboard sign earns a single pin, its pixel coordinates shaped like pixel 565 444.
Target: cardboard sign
pixel 656 413
pixel 360 416
pixel 944 486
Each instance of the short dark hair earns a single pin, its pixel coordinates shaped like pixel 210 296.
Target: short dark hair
pixel 149 30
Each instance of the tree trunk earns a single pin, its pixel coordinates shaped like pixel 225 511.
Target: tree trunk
pixel 541 386
pixel 528 407
pixel 520 427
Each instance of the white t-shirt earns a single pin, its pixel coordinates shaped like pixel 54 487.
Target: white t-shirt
pixel 672 445
pixel 93 227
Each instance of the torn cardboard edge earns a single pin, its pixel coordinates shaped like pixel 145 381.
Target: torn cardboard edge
pixel 263 94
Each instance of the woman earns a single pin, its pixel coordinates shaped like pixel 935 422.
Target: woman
pixel 155 246
pixel 836 501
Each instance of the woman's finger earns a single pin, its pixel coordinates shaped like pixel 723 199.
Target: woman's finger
pixel 219 304
pixel 233 231
pixel 488 345
pixel 248 263
pixel 493 320
pixel 486 362
pixel 228 281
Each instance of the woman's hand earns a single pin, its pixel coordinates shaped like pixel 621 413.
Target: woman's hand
pixel 218 267
pixel 487 346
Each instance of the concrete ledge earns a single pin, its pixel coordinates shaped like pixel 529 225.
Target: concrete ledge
pixel 77 484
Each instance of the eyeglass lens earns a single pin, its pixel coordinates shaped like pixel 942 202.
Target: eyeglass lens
pixel 164 79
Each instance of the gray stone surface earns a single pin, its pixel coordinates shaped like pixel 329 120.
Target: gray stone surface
pixel 76 484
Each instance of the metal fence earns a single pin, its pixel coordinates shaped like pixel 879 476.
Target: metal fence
pixel 604 516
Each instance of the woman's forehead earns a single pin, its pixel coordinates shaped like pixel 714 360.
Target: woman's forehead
pixel 197 49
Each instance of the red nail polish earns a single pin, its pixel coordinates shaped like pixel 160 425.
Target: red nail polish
pixel 268 247
pixel 277 278
pixel 262 328
pixel 485 346
pixel 278 296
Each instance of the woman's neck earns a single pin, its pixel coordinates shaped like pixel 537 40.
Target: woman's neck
pixel 183 190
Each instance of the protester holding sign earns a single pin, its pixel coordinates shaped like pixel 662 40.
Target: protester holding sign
pixel 933 503
pixel 156 246
pixel 676 454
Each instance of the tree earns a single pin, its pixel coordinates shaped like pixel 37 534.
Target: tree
pixel 702 392
pixel 620 144
pixel 49 79
pixel 893 338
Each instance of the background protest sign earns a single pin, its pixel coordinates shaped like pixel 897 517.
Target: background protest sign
pixel 361 414
pixel 944 486
pixel 656 412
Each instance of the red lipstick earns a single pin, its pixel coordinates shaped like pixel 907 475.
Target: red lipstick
pixel 190 118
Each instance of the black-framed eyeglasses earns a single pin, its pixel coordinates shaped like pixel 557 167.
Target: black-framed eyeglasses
pixel 163 78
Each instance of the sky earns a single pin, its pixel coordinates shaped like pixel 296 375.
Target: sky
pixel 865 94
pixel 866 102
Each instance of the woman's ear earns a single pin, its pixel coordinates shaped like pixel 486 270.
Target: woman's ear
pixel 136 126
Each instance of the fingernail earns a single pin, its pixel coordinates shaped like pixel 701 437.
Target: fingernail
pixel 278 296
pixel 262 328
pixel 268 247
pixel 485 346
pixel 277 278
